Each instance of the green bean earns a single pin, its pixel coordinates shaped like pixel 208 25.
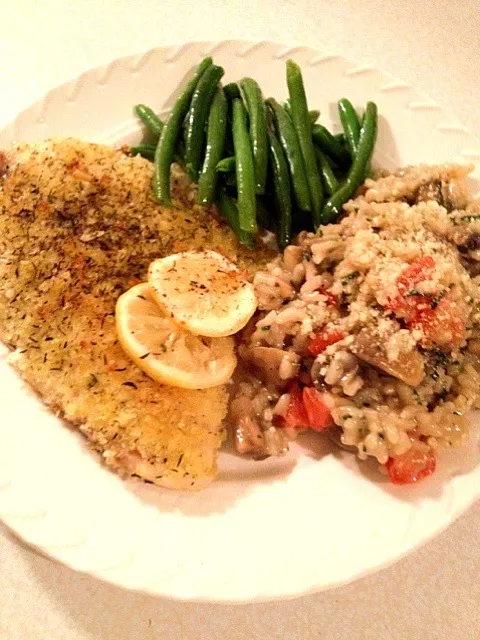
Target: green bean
pixel 331 162
pixel 226 165
pixel 281 185
pixel 313 115
pixel 229 210
pixel 145 150
pixel 197 118
pixel 166 145
pixel 263 214
pixel 330 146
pixel 329 179
pixel 216 129
pixel 244 169
pixel 229 138
pixel 368 168
pixel 366 143
pixel 149 119
pixel 252 97
pixel 291 148
pixel 350 124
pixel 340 138
pixel 303 128
pixel 231 90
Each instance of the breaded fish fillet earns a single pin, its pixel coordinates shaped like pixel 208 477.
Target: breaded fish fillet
pixel 78 226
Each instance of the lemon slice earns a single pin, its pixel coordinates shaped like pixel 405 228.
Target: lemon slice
pixel 203 291
pixel 165 351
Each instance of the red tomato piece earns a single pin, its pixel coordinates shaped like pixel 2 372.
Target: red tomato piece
pixel 415 273
pixel 406 305
pixel 420 316
pixel 409 308
pixel 439 318
pixel 296 415
pixel 320 341
pixel 332 300
pixel 442 326
pixel 413 465
pixel 318 413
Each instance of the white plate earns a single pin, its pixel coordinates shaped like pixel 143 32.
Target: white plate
pixel 263 530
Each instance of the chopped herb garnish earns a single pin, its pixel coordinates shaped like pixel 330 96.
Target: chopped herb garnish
pixel 129 384
pixel 266 327
pixel 417 396
pixel 413 292
pixel 443 393
pixel 440 358
pixel 93 380
pixel 436 300
pixel 145 355
pixel 351 276
pixel 347 416
pixel 163 348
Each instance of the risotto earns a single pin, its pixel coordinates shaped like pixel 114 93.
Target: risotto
pixel 370 328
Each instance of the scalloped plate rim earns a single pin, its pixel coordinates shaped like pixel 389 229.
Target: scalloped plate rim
pixel 453 514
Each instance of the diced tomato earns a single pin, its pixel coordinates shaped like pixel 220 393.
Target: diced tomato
pixel 410 307
pixel 320 341
pixel 438 317
pixel 306 409
pixel 405 305
pixel 318 413
pixel 442 326
pixel 413 465
pixel 332 300
pixel 415 273
pixel 296 415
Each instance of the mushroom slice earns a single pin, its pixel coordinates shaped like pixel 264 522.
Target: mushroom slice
pixel 409 367
pixel 247 433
